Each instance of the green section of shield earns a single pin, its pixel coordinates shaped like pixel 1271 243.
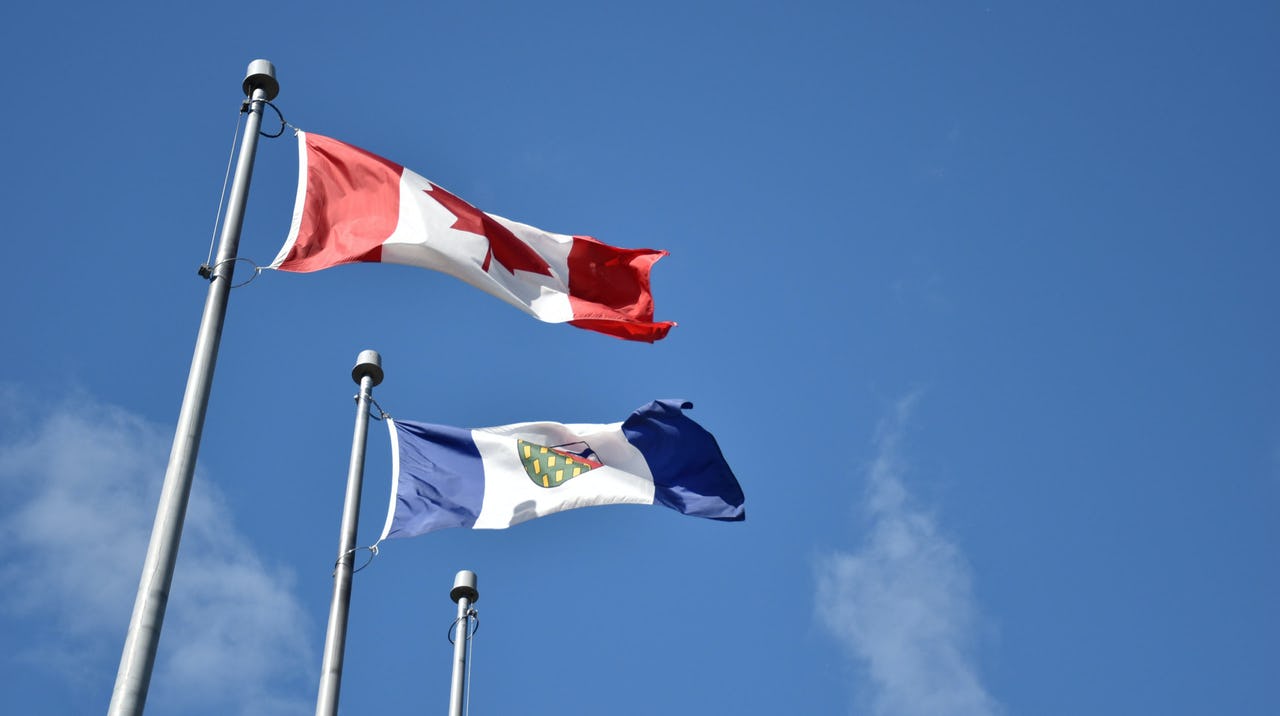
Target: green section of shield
pixel 548 467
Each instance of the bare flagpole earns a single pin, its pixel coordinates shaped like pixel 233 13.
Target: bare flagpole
pixel 368 373
pixel 464 592
pixel 139 655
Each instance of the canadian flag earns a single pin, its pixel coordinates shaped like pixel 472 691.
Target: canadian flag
pixel 355 206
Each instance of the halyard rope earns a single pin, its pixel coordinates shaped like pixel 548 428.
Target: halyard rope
pixel 279 114
pixel 205 269
pixel 468 632
pixel 217 217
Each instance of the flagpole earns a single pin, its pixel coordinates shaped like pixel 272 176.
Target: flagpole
pixel 465 594
pixel 138 657
pixel 368 373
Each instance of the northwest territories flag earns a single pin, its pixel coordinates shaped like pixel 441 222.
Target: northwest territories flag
pixel 491 478
pixel 353 206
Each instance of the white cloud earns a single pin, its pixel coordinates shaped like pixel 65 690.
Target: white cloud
pixel 79 493
pixel 902 604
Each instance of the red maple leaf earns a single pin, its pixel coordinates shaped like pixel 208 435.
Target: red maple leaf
pixel 510 251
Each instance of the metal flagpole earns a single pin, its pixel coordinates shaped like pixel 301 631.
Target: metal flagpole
pixel 368 373
pixel 139 655
pixel 465 594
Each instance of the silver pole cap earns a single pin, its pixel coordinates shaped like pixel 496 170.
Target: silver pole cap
pixel 368 363
pixel 464 585
pixel 261 73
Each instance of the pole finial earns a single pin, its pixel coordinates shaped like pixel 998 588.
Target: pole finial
pixel 261 73
pixel 464 585
pixel 368 363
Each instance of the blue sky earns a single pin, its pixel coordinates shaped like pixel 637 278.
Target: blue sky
pixel 978 297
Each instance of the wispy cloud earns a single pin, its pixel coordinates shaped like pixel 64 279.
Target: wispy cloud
pixel 79 491
pixel 902 604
